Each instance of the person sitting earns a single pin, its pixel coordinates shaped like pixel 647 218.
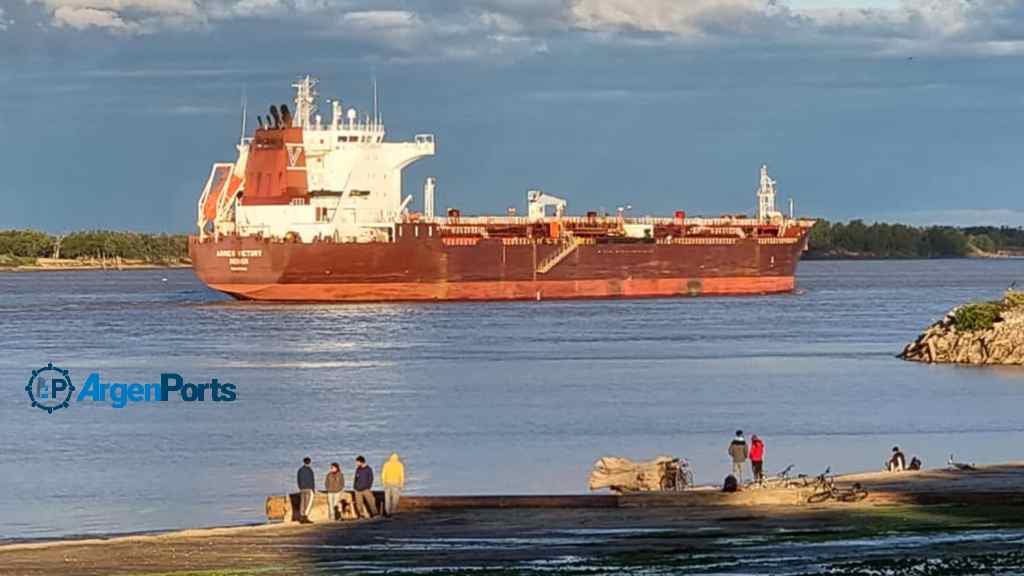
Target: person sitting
pixel 731 484
pixel 898 462
pixel 915 463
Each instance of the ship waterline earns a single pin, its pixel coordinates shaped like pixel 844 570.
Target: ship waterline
pixel 507 290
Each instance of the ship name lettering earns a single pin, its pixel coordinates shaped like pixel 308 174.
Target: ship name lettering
pixel 239 253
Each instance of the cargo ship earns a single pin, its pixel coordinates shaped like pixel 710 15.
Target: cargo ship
pixel 312 211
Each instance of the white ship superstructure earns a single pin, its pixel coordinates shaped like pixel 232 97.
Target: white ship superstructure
pixel 347 180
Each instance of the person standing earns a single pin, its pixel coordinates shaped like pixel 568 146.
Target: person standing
pixel 335 486
pixel 307 488
pixel 757 458
pixel 366 504
pixel 392 475
pixel 738 453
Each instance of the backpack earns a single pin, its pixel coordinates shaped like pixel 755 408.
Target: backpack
pixel 731 484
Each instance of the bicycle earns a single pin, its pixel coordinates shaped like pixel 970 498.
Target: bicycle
pixel 780 480
pixel 784 480
pixel 825 489
pixel 678 475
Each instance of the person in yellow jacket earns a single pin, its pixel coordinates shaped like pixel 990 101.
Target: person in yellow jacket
pixel 392 475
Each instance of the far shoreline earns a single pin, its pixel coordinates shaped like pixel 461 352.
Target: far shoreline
pixel 75 265
pixel 86 265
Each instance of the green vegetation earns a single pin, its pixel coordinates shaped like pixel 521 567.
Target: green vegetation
pixel 1013 299
pixel 23 247
pixel 10 261
pixel 881 240
pixel 977 316
pixel 25 243
pixel 984 315
pixel 155 248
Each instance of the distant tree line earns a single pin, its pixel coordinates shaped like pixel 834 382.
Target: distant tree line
pixel 853 239
pixel 150 248
pixel 880 240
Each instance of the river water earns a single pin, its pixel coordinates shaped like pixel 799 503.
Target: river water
pixel 479 398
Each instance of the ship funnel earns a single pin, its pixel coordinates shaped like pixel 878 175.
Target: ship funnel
pixel 286 116
pixel 259 120
pixel 276 115
pixel 428 196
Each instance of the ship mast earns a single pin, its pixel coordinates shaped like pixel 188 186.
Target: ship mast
pixel 305 101
pixel 766 197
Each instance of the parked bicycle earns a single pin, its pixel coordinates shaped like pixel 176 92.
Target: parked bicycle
pixel 825 489
pixel 678 475
pixel 784 479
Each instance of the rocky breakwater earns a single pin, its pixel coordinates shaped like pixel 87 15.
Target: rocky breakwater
pixel 981 333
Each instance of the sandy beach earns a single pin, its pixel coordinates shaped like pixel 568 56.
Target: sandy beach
pixel 934 518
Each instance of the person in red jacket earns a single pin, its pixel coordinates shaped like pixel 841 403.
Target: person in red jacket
pixel 757 458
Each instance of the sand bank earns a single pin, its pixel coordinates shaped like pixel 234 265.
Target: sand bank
pixel 934 515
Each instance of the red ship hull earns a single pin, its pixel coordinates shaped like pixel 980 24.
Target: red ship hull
pixel 415 268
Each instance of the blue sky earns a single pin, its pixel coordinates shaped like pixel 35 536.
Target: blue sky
pixel 113 110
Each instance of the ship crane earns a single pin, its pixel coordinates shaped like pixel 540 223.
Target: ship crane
pixel 537 202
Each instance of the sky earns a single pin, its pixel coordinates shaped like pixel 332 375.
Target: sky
pixel 112 111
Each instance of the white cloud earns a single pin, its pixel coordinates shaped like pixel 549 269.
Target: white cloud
pixel 122 16
pixel 382 19
pixel 469 28
pixel 4 22
pixel 687 19
pixel 902 26
pixel 83 18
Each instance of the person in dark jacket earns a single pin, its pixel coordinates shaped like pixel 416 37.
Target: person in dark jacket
pixel 307 487
pixel 738 453
pixel 898 462
pixel 730 484
pixel 757 458
pixel 334 483
pixel 366 504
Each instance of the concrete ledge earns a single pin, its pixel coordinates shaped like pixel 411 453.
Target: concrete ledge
pixel 483 502
pixel 286 508
pixel 997 484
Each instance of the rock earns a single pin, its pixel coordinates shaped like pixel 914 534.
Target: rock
pixel 1000 343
